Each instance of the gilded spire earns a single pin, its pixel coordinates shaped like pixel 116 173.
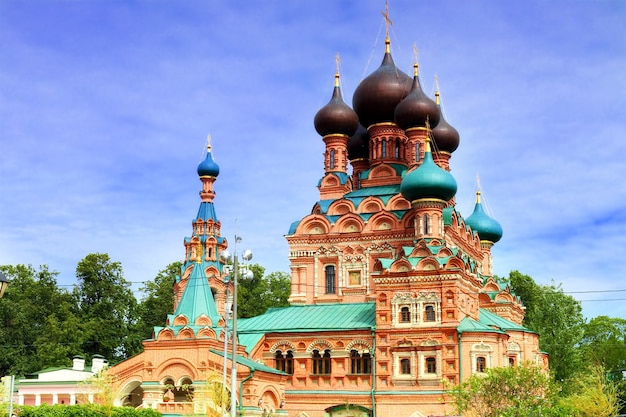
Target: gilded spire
pixel 337 61
pixel 208 143
pixel 437 99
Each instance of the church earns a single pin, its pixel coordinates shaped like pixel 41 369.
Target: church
pixel 392 299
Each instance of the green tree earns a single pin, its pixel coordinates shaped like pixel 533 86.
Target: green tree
pixel 604 342
pixel 558 319
pixel 158 299
pixel 516 391
pixel 596 395
pixel 107 308
pixel 38 326
pixel 255 295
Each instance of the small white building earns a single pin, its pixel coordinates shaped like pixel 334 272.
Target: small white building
pixel 59 385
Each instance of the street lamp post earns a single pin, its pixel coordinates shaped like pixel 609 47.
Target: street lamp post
pixel 4 283
pixel 226 257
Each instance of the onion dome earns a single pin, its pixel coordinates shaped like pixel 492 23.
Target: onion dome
pixel 445 136
pixel 208 167
pixel 487 228
pixel 417 108
pixel 358 144
pixel 377 96
pixel 428 181
pixel 336 117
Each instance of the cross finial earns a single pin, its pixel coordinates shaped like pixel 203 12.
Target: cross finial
pixel 415 64
pixel 388 21
pixel 208 142
pixel 337 62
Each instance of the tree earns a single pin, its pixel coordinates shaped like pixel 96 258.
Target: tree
pixel 557 318
pixel 604 343
pixel 107 308
pixel 516 391
pixel 38 325
pixel 257 294
pixel 596 395
pixel 158 299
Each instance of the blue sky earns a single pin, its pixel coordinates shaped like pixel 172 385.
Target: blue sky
pixel 105 107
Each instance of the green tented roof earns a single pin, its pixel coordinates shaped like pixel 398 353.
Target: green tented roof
pixel 311 318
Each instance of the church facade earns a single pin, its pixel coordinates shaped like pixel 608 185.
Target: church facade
pixel 392 300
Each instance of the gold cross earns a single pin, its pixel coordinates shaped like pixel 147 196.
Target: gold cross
pixel 388 21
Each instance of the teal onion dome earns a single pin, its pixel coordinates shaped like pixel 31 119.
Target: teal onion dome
pixel 428 181
pixel 487 228
pixel 208 167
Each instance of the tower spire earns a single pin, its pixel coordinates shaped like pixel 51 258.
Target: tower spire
pixel 388 23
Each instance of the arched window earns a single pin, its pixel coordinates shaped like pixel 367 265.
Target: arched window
pixel 321 363
pixel 330 279
pixel 332 159
pixel 383 148
pixel 360 364
pixel 426 223
pixel 405 366
pixel 284 362
pixel 429 313
pixel 405 315
pixel 481 364
pixel 431 365
pixel 417 152
pixel 397 150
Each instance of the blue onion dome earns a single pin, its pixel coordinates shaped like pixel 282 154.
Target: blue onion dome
pixel 358 144
pixel 417 108
pixel 336 117
pixel 487 228
pixel 445 136
pixel 377 96
pixel 208 167
pixel 428 181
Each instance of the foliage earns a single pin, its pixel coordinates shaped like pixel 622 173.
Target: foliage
pixel 557 318
pixel 83 410
pixel 107 308
pixel 158 299
pixel 595 395
pixel 103 387
pixel 508 392
pixel 257 294
pixel 604 342
pixel 38 325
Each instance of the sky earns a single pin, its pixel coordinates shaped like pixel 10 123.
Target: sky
pixel 105 108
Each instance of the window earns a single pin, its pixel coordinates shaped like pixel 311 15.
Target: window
pixel 511 361
pixel 360 364
pixel 284 362
pixel 405 366
pixel 330 279
pixel 397 150
pixel 321 363
pixel 383 149
pixel 417 152
pixel 431 365
pixel 429 313
pixel 405 315
pixel 426 224
pixel 332 159
pixel 481 364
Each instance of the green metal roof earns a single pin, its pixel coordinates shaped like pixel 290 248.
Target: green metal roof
pixel 311 318
pixel 249 363
pixel 492 319
pixel 471 325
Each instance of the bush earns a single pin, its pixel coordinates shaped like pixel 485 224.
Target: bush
pixel 82 410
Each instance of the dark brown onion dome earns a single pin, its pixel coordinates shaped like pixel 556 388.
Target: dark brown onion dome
pixel 336 117
pixel 358 144
pixel 445 136
pixel 377 96
pixel 417 107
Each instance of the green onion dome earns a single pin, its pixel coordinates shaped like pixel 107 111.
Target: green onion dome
pixel 428 181
pixel 208 167
pixel 377 96
pixel 416 109
pixel 487 228
pixel 336 117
